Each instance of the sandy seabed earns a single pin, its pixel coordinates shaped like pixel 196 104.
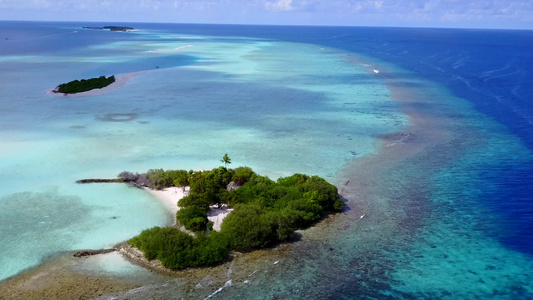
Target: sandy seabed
pixel 245 267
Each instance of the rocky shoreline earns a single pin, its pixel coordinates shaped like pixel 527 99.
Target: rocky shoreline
pixel 93 252
pixel 136 256
pixel 59 279
pixel 84 181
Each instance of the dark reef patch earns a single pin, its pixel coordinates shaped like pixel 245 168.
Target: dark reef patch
pixel 117 117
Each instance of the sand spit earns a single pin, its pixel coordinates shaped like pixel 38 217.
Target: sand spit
pixel 136 256
pixel 120 81
pixel 170 197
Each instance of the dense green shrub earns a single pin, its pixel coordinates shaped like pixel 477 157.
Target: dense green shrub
pixel 265 213
pixel 182 178
pixel 160 243
pixel 257 186
pixel 211 184
pixel 246 229
pixel 193 218
pixel 198 200
pixel 159 179
pixel 210 249
pixel 178 250
pixel 241 175
pixel 328 194
pixel 78 86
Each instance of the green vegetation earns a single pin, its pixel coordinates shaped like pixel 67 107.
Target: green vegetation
pixel 110 28
pixel 118 28
pixel 176 249
pixel 193 218
pixel 273 210
pixel 266 212
pixel 159 179
pixel 78 86
pixel 226 160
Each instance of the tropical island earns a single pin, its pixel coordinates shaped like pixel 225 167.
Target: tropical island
pixel 110 28
pixel 265 212
pixel 84 85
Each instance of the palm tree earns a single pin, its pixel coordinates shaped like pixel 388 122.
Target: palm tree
pixel 226 160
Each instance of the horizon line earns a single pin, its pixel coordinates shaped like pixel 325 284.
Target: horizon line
pixel 273 25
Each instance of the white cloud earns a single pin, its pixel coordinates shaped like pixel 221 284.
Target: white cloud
pixel 280 5
pixel 41 3
pixel 338 12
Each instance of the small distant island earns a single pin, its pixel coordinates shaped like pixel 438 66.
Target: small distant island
pixel 111 28
pixel 265 212
pixel 84 85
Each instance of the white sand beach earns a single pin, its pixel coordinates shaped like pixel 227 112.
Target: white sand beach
pixel 217 215
pixel 120 81
pixel 170 197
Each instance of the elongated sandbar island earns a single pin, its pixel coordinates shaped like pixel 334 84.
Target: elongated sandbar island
pixel 92 86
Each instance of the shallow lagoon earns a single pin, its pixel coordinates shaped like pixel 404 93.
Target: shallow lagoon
pixel 256 100
pixel 425 217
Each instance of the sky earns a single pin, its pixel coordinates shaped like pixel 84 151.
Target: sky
pixel 504 14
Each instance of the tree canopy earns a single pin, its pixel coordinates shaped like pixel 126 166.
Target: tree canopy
pixel 265 212
pixel 78 86
pixel 226 160
pixel 176 249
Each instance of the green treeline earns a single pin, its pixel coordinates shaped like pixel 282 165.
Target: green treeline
pixel 176 249
pixel 118 28
pixel 78 86
pixel 265 212
pixel 111 28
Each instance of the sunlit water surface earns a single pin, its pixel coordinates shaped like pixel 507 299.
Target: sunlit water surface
pixel 444 212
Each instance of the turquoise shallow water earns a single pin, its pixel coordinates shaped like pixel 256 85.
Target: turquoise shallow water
pixel 428 231
pixel 256 100
pixel 437 213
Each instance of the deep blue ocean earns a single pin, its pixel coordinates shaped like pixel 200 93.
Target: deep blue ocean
pixel 448 214
pixel 492 69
